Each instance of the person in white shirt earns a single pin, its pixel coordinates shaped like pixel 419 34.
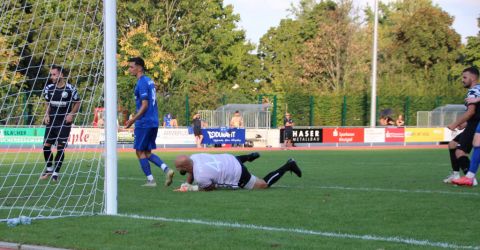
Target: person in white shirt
pixel 225 171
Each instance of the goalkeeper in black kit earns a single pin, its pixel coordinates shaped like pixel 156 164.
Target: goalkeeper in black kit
pixel 62 104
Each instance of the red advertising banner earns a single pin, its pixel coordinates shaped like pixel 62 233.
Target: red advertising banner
pixel 342 135
pixel 394 134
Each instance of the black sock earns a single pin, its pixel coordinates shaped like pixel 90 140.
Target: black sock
pixel 463 163
pixel 242 158
pixel 453 160
pixel 47 154
pixel 59 158
pixel 274 176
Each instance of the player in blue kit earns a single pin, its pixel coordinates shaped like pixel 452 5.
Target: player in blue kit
pixel 146 123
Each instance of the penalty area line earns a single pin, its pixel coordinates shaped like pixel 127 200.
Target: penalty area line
pixel 393 239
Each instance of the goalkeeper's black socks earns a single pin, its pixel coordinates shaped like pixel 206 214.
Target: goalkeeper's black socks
pixel 250 157
pixel 47 154
pixel 453 159
pixel 463 164
pixel 59 158
pixel 274 176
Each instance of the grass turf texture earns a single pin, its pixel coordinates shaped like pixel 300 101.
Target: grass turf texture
pixel 386 193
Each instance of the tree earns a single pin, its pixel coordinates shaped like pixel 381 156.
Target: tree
pixel 330 57
pixel 471 52
pixel 205 43
pixel 424 35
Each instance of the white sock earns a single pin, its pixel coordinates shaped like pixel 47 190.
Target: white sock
pixel 55 174
pixel 470 175
pixel 150 178
pixel 456 174
pixel 163 166
pixel 49 169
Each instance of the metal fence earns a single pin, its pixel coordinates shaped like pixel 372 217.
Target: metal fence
pixel 254 116
pixel 437 118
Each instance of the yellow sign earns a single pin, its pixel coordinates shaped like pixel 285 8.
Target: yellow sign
pixel 424 134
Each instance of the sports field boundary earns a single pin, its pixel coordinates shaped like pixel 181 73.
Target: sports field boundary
pixel 367 237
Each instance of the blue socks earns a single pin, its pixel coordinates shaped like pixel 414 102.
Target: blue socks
pixel 145 166
pixel 157 161
pixel 475 160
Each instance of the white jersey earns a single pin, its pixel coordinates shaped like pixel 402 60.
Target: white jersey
pixel 223 170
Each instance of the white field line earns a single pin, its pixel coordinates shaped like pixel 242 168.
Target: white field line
pixel 364 189
pixel 393 239
pixel 373 189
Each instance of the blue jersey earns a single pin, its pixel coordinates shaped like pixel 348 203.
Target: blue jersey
pixel 167 119
pixel 145 90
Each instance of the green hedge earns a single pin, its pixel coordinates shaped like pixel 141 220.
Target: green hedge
pixel 327 109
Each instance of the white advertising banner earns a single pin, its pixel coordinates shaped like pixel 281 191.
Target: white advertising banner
pixel 174 136
pixel 374 135
pixel 85 136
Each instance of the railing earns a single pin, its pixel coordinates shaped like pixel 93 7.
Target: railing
pixel 437 118
pixel 257 119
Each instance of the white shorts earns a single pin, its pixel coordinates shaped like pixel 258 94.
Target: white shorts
pixel 251 182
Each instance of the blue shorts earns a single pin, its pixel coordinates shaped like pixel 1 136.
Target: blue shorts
pixel 145 138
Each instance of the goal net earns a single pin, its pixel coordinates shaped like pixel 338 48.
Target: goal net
pixel 34 35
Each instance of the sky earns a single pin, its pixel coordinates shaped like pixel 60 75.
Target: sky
pixel 257 16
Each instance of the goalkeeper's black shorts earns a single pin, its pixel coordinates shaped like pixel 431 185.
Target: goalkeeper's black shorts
pixel 57 134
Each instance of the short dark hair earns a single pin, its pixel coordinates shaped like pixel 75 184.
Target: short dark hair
pixel 60 69
pixel 472 70
pixel 138 61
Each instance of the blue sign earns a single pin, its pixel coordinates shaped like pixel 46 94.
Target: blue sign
pixel 223 135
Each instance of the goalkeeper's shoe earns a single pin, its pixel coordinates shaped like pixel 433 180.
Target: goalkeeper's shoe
pixel 46 175
pixel 151 183
pixel 465 181
pixel 169 178
pixel 293 167
pixel 55 178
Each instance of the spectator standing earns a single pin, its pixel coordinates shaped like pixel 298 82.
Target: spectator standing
pixel 174 122
pixel 167 120
pixel 197 129
pixel 400 122
pixel 288 130
pixel 236 122
pixel 386 121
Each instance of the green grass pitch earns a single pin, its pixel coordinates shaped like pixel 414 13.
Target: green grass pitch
pixel 363 199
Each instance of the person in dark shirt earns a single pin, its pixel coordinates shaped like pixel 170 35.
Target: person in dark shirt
pixel 288 130
pixel 461 145
pixel 197 129
pixel 62 104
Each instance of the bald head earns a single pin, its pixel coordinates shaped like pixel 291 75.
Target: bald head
pixel 184 164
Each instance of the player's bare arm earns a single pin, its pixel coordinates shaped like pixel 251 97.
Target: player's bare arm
pixel 463 118
pixel 46 118
pixel 472 100
pixel 139 114
pixel 71 115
